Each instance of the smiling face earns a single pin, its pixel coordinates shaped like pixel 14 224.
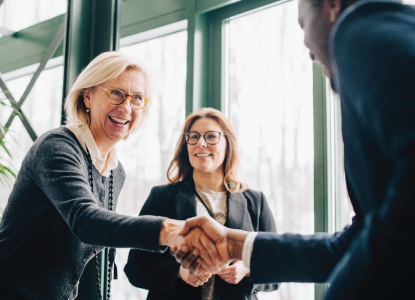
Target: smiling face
pixel 203 157
pixel 111 123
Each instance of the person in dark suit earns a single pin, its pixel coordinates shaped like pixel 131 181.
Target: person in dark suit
pixel 368 51
pixel 203 181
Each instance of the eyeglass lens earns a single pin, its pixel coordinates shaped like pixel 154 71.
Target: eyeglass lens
pixel 117 97
pixel 211 137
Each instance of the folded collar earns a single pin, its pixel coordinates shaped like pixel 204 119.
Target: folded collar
pixel 87 141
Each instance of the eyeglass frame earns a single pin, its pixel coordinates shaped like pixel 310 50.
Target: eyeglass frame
pixel 204 137
pixel 109 91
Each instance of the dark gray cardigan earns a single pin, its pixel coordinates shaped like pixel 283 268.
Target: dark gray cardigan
pixel 52 220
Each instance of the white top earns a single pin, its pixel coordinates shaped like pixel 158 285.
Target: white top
pixel 216 201
pixel 86 139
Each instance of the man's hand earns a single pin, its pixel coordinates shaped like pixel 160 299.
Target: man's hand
pixel 228 242
pixel 201 254
pixel 234 272
pixel 191 279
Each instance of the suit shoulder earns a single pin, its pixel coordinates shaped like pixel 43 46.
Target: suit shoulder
pixel 371 9
pixel 159 201
pixel 254 194
pixel 166 189
pixel 377 17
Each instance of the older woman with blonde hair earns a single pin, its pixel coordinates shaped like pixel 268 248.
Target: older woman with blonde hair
pixel 204 180
pixel 60 213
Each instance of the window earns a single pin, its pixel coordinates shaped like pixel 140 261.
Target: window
pixel 18 14
pixel 42 109
pixel 340 208
pixel 270 104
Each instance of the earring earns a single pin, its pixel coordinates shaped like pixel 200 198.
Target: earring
pixel 87 109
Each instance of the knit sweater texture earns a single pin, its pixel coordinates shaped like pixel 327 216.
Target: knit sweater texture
pixel 53 221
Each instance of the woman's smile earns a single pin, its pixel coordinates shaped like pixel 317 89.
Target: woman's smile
pixel 111 123
pixel 118 121
pixel 202 155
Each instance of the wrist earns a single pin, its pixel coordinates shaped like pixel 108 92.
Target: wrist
pixel 236 239
pixel 169 230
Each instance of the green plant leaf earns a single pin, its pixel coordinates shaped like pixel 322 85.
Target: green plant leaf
pixel 3 145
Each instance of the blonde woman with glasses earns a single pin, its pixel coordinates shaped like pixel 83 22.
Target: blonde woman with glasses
pixel 203 181
pixel 60 213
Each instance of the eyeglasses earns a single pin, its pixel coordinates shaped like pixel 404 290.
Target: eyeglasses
pixel 211 137
pixel 118 97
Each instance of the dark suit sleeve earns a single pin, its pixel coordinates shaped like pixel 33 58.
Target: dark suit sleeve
pixel 380 37
pixel 298 258
pixel 149 270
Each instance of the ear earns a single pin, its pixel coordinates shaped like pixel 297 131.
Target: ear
pixel 335 9
pixel 87 98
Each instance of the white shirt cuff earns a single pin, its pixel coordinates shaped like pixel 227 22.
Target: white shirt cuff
pixel 248 248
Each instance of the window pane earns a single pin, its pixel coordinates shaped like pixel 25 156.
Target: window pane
pixel 42 109
pixel 341 210
pixel 271 106
pixel 18 14
pixel 147 154
pixel 44 104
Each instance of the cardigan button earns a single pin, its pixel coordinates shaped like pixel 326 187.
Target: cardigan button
pixel 101 199
pixel 75 280
pixel 84 260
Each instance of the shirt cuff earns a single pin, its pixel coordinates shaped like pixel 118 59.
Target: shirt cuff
pixel 248 248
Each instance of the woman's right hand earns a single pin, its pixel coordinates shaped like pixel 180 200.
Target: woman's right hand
pixel 195 281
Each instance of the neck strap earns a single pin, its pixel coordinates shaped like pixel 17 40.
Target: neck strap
pixel 201 200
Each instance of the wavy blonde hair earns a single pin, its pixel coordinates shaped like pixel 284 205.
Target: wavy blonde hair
pixel 105 67
pixel 180 167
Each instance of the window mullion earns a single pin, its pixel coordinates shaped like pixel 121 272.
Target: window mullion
pixel 321 163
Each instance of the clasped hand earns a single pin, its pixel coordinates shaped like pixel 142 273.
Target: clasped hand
pixel 201 244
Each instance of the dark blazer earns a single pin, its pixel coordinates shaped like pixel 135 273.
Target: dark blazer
pixel 158 272
pixel 373 65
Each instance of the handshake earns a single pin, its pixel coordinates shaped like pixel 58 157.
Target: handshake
pixel 201 244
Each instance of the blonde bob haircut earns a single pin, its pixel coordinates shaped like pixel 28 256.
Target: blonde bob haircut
pixel 180 167
pixel 106 67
